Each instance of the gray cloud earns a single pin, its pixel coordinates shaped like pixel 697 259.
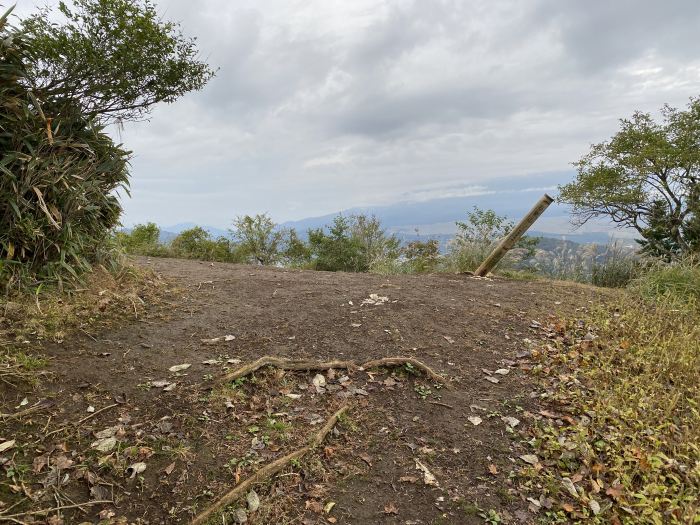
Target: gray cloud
pixel 321 105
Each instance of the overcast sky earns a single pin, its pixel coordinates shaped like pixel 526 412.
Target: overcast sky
pixel 321 105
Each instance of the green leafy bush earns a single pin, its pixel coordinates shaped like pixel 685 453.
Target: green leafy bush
pixel 143 239
pixel 62 80
pixel 422 256
pixel 352 244
pixel 58 180
pixel 197 243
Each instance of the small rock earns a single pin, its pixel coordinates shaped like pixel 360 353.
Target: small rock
pixel 319 380
pixel 510 421
pixel 240 516
pixel 180 368
pixel 105 444
pixel 475 420
pixel 253 501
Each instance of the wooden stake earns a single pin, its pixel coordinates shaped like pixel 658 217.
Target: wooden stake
pixel 514 236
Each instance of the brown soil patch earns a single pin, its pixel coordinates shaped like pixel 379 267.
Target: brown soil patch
pixel 200 436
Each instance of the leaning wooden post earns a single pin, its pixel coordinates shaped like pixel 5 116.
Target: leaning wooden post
pixel 514 236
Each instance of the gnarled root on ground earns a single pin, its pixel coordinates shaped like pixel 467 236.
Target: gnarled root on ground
pixel 288 364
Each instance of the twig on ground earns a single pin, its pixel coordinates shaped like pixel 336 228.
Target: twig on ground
pixel 287 364
pixel 95 413
pixel 64 427
pixel 440 404
pixel 54 509
pixel 39 406
pixel 268 471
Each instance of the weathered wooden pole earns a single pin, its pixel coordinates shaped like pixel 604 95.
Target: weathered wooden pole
pixel 514 236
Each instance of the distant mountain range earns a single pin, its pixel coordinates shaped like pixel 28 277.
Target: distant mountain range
pixel 435 217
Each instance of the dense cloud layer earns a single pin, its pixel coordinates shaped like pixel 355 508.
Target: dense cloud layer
pixel 321 105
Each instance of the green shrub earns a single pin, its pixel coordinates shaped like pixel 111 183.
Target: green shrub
pixel 336 250
pixel 352 244
pixel 57 182
pixel 143 239
pixel 259 238
pixel 197 243
pixel 297 253
pixel 65 74
pixel 422 256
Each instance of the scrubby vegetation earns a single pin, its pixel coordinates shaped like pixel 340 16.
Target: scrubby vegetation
pixel 621 444
pixel 360 244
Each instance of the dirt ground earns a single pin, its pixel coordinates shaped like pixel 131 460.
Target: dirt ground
pixel 409 451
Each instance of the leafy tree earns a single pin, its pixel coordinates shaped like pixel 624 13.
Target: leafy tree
pixel 478 235
pixel 646 177
pixel 296 252
pixel 375 245
pixel 259 237
pixel 110 60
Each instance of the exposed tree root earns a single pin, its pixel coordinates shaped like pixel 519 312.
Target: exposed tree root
pixel 285 364
pixel 398 361
pixel 288 364
pixel 268 471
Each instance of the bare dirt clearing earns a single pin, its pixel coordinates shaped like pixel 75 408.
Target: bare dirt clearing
pixel 160 441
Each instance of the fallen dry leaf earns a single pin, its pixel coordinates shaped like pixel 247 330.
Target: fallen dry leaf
pixel 614 491
pixel 510 421
pixel 570 487
pixel 390 508
pixel 530 459
pixel 7 445
pixel 428 477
